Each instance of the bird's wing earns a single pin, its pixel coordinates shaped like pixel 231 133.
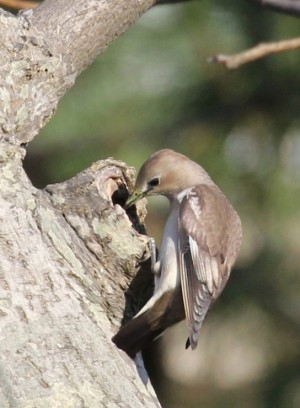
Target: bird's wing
pixel 209 240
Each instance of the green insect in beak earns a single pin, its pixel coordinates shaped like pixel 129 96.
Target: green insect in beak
pixel 134 198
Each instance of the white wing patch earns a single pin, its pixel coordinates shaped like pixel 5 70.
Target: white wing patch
pixel 197 287
pixel 195 204
pixel 199 269
pixel 206 267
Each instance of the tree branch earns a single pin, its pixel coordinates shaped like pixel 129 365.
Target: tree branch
pixel 284 6
pixel 19 4
pixel 66 255
pixel 257 52
pixel 45 49
pixel 291 7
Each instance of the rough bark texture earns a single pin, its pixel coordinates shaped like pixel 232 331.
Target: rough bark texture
pixel 69 252
pixel 43 50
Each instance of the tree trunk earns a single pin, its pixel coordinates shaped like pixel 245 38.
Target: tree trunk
pixel 68 252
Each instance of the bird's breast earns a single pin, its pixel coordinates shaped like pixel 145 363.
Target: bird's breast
pixel 169 273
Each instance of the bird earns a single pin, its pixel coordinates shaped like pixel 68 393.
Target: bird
pixel 200 244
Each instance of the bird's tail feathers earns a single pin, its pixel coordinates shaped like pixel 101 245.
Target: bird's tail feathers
pixel 136 334
pixel 144 328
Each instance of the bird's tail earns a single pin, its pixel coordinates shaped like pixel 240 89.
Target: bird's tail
pixel 136 334
pixel 144 328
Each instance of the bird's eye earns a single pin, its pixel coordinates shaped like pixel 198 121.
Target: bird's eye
pixel 154 182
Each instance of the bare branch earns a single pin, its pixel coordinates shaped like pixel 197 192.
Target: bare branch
pixel 45 49
pixel 291 7
pixel 257 52
pixel 82 29
pixel 170 1
pixel 19 4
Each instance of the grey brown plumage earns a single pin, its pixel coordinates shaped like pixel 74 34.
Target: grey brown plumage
pixel 207 251
pixel 141 330
pixel 201 242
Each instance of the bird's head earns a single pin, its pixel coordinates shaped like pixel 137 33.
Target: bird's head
pixel 166 173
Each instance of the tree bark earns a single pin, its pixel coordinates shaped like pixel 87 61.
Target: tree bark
pixel 68 252
pixel 43 50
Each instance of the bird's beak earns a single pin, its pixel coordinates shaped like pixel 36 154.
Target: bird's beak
pixel 133 198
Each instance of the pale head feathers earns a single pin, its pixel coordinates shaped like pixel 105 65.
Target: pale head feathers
pixel 168 173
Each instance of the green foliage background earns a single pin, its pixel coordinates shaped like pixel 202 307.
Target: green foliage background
pixel 152 89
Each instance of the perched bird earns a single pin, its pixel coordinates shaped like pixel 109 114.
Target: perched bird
pixel 200 244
